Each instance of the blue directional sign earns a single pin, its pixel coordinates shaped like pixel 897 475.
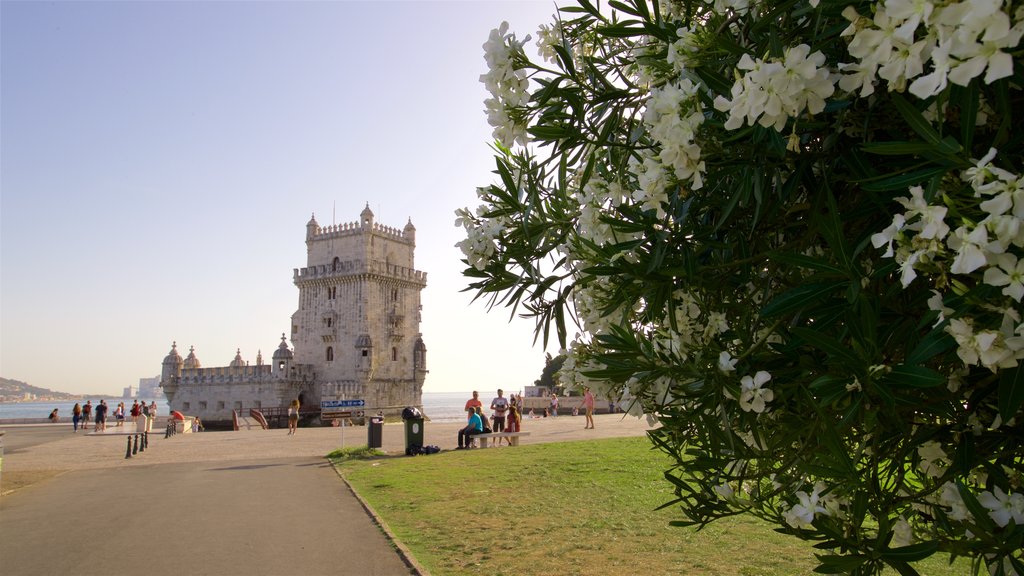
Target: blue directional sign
pixel 335 404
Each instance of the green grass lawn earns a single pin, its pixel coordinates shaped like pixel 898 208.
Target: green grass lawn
pixel 566 508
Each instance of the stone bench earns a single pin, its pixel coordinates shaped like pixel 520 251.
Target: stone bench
pixel 512 436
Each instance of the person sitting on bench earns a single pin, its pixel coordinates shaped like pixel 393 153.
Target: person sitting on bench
pixel 473 427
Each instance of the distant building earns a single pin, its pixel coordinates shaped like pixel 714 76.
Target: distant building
pixel 129 392
pixel 355 332
pixel 150 388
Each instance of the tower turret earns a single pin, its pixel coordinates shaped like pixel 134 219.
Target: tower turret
pixel 366 217
pixel 170 373
pixel 282 358
pixel 410 232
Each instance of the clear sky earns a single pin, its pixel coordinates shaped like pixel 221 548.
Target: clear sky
pixel 159 162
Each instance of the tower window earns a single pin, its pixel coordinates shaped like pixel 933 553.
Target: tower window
pixel 394 354
pixel 394 295
pixel 330 354
pixel 366 353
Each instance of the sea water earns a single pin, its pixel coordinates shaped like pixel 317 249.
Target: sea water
pixel 438 406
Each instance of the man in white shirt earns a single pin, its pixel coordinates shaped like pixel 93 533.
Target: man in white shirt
pixel 499 406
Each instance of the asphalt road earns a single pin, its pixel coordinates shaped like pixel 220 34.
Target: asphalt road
pixel 252 517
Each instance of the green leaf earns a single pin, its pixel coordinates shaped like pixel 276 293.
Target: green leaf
pixel 934 343
pixel 897 148
pixel 839 564
pixel 549 132
pixel 912 553
pixel 1011 392
pixel 834 348
pixel 918 123
pixel 808 262
pixel 903 376
pixel 799 297
pixel 902 180
pixel 620 30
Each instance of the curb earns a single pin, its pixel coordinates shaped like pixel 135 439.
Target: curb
pixel 403 552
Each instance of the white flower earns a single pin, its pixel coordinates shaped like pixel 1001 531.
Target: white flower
pixel 985 347
pixel 933 459
pixel 902 534
pixel 548 37
pixel 951 499
pixel 726 363
pixel 725 491
pixel 969 246
pixel 932 224
pixel 886 237
pixel 1009 272
pixel 1003 507
pixel 752 396
pixel 802 514
pixel 935 303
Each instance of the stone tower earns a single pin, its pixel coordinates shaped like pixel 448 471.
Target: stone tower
pixel 358 320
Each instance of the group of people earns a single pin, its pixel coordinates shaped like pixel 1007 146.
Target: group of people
pixel 81 414
pixel 505 417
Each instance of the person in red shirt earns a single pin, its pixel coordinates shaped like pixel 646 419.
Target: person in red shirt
pixel 474 402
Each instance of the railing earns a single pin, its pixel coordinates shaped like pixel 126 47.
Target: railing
pixel 259 418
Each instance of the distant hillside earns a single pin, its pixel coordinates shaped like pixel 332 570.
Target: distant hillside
pixel 16 390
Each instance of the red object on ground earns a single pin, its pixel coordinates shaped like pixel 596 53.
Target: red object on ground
pixel 177 415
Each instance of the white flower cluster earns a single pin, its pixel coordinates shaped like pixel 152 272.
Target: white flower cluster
pixel 548 37
pixel 481 232
pixel 959 40
pixel 507 85
pixel 681 51
pixel 1001 507
pixel 773 91
pixel 921 241
pixel 596 199
pixel 802 514
pixel 673 116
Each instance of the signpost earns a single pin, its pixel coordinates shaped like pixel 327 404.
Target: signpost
pixel 341 409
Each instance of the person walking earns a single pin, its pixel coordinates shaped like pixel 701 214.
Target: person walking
pixel 554 404
pixel 76 415
pixel 135 412
pixel 588 404
pixel 293 417
pixel 119 413
pixel 101 416
pixel 86 414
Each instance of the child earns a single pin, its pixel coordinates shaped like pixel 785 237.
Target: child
pixel 512 422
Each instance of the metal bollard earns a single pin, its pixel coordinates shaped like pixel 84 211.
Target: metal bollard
pixel 167 431
pixel 128 452
pixel 145 440
pixel 136 449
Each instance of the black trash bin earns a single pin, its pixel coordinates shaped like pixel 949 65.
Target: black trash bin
pixel 375 433
pixel 413 430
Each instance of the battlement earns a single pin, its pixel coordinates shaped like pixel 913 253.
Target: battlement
pixel 349 229
pixel 238 374
pixel 225 374
pixel 358 268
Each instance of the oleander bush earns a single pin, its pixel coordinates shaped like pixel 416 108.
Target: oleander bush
pixel 790 232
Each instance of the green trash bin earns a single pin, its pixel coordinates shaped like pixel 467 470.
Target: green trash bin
pixel 413 431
